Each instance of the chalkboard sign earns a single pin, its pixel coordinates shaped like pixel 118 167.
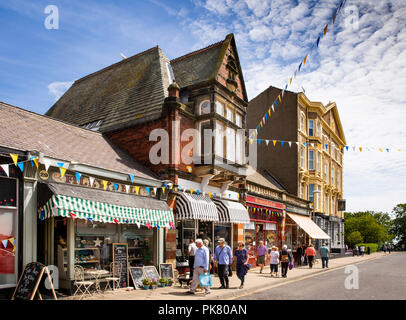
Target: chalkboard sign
pixel 137 275
pixel 29 281
pixel 120 254
pixel 151 273
pixel 166 270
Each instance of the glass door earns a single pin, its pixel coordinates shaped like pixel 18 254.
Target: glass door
pixel 259 234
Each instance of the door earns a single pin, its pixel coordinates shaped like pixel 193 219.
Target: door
pixel 259 234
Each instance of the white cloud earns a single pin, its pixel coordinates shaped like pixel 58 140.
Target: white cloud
pixel 57 89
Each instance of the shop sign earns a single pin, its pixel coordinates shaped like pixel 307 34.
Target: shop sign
pixel 298 210
pixel 341 205
pixel 265 203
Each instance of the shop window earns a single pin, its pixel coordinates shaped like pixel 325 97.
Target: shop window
pixel 8 232
pixel 206 232
pixel 140 245
pixel 185 231
pixel 222 231
pixel 249 237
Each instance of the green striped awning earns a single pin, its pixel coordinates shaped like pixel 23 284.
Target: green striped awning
pixel 72 207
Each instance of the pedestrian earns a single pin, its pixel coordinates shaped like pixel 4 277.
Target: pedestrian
pixel 304 254
pixel 389 248
pixel 384 248
pixel 310 253
pixel 223 258
pixel 285 257
pixel 368 250
pixel 362 250
pixel 356 251
pixel 201 266
pixel 274 254
pixel 261 254
pixel 325 254
pixel 299 252
pixel 191 251
pixel 241 256
pixel 206 243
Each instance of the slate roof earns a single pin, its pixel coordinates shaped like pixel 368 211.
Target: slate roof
pixel 133 90
pixel 28 131
pixel 123 94
pixel 261 179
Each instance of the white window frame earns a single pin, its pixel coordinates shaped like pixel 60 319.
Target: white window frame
pixel 219 140
pixel 311 159
pixel 332 175
pixel 302 157
pixel 229 114
pixel 311 127
pixel 239 121
pixel 302 121
pixel 318 165
pixel 201 106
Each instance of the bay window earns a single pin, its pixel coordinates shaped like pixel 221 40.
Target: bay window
pixel 311 128
pixel 311 159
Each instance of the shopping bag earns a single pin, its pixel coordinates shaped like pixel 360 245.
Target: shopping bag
pixel 291 265
pixel 206 280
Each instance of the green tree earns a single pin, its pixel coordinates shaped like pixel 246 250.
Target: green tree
pixel 399 224
pixel 353 238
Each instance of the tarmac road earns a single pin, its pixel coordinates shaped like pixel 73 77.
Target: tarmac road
pixel 379 279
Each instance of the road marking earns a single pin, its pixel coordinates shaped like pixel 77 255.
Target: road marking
pixel 299 279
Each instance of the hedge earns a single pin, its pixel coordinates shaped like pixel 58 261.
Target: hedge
pixel 373 246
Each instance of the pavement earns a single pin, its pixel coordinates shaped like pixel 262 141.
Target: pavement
pixel 254 282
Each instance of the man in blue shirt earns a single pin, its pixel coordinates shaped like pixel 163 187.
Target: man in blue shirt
pixel 324 253
pixel 223 258
pixel 201 265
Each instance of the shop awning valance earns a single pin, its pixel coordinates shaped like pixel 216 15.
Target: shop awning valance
pixel 231 211
pixel 197 207
pixel 312 229
pixel 83 203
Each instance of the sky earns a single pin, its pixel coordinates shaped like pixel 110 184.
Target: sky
pixel 360 64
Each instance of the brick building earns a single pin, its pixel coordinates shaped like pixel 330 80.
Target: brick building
pixel 202 90
pixel 313 168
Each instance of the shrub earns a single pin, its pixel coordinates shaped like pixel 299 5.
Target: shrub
pixel 146 282
pixel 373 246
pixel 163 281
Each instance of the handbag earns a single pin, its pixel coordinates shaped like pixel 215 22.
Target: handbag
pixel 291 265
pixel 248 266
pixel 206 280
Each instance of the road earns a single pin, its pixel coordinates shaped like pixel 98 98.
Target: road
pixel 379 279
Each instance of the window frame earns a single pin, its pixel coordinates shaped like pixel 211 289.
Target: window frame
pixel 201 105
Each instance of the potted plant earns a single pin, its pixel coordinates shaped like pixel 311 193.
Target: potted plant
pixel 163 282
pixel 170 282
pixel 154 284
pixel 147 283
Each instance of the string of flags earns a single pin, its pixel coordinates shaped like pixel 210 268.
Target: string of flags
pixel 263 210
pixel 302 64
pixel 11 241
pixel 327 146
pixel 63 168
pixel 209 194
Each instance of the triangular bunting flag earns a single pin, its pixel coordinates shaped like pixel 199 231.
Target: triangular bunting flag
pixel 78 176
pixel 274 143
pixel 346 147
pixel 91 180
pixel 360 149
pixel 300 66
pixel 105 184
pixel 290 144
pixel 127 188
pixel 318 41
pixel 115 186
pixel 5 168
pixel 325 30
pixel 47 164
pixel 131 178
pixel 279 97
pixel 14 157
pixel 290 80
pixel 5 243
pixel 163 190
pixel 259 141
pixel 21 166
pixel 282 143
pixel 36 161
pixel 269 111
pixel 137 190
pixel 147 188
pixel 154 190
pixel 267 142
pixel 326 146
pixel 273 109
pixel 304 61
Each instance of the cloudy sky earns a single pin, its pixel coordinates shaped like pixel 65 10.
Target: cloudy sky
pixel 360 64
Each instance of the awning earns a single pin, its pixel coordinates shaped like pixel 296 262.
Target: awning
pixel 197 207
pixel 231 211
pixel 105 206
pixel 312 229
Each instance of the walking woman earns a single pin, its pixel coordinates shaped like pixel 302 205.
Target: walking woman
pixel 241 255
pixel 286 258
pixel 310 253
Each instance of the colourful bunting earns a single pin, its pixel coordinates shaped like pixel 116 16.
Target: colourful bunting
pixel 5 168
pixel 21 166
pixel 105 184
pixel 14 157
pixel 78 177
pixel 131 178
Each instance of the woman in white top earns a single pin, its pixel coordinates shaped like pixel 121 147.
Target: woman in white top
pixel 274 255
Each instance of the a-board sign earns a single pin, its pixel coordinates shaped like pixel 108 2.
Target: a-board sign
pixel 151 273
pixel 29 281
pixel 120 254
pixel 166 270
pixel 137 275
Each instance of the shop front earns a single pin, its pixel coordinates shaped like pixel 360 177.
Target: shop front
pixel 81 224
pixel 199 216
pixel 264 225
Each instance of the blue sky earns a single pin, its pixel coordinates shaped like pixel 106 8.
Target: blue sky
pixel 359 65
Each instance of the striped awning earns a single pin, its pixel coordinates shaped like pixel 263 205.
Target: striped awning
pixel 62 205
pixel 231 211
pixel 196 207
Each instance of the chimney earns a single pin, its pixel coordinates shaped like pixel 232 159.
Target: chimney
pixel 174 89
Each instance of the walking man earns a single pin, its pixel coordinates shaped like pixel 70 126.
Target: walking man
pixel 201 266
pixel 299 252
pixel 362 250
pixel 223 257
pixel 261 253
pixel 310 253
pixel 325 254
pixel 191 251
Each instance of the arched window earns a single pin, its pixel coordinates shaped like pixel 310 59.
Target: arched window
pixel 205 107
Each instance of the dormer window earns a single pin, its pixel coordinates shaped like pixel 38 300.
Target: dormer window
pixel 94 125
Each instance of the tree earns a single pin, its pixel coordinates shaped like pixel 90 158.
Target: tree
pixel 353 238
pixel 399 224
